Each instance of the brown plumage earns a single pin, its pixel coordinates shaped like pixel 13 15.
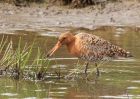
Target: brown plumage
pixel 89 47
pixel 94 48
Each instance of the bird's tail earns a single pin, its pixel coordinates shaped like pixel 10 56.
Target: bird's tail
pixel 123 53
pixel 129 54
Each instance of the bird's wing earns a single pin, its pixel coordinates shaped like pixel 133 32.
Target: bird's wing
pixel 96 48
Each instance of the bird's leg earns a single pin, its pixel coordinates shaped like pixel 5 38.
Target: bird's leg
pixel 97 70
pixel 86 68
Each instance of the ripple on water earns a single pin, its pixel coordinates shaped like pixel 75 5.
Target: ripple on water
pixel 57 66
pixel 125 96
pixel 83 96
pixel 136 81
pixel 120 29
pixel 120 71
pixel 9 86
pixel 73 58
pixel 9 94
pixel 57 93
pixel 56 34
pixel 50 82
pixel 132 87
pixel 30 98
pixel 109 79
pixel 40 90
pixel 62 88
pixel 125 59
pixel 114 97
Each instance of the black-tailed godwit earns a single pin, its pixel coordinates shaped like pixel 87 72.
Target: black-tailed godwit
pixel 89 47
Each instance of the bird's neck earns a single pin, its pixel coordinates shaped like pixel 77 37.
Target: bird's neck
pixel 72 47
pixel 71 43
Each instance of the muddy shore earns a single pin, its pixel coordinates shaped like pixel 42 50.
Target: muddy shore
pixel 35 17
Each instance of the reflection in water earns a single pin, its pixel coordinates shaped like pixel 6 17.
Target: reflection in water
pixel 120 79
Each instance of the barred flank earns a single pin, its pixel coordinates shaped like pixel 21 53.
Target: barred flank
pixel 94 48
pixel 119 52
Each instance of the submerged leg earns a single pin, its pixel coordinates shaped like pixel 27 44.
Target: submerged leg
pixel 86 68
pixel 97 70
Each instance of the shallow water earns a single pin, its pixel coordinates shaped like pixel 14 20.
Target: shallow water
pixel 120 79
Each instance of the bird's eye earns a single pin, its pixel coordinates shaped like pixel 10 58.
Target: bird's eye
pixel 64 38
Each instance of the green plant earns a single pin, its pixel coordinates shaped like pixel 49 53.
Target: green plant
pixel 40 64
pixel 7 54
pixel 17 61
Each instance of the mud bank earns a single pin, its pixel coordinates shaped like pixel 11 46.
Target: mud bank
pixel 35 17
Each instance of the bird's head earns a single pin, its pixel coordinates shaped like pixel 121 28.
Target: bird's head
pixel 64 39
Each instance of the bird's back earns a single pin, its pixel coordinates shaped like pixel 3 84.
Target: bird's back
pixel 94 48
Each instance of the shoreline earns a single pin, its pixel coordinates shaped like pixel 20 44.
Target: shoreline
pixel 23 18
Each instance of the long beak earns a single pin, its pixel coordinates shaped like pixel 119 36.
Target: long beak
pixel 56 47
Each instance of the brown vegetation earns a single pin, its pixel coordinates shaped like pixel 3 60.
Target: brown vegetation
pixel 79 3
pixel 72 3
pixel 22 2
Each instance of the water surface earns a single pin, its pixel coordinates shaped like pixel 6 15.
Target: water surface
pixel 120 79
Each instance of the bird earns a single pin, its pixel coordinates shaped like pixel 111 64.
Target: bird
pixel 89 47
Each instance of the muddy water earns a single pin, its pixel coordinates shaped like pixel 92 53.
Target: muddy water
pixel 120 79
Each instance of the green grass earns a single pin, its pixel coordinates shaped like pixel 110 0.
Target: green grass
pixel 40 64
pixel 16 61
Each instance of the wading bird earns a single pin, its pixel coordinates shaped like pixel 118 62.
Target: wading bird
pixel 90 48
